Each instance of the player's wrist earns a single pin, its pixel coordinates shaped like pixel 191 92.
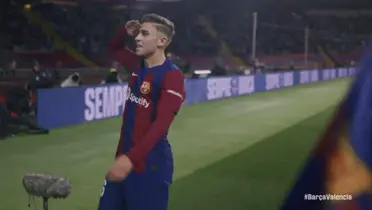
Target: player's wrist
pixel 130 160
pixel 124 160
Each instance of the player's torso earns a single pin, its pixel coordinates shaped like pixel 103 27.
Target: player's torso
pixel 140 100
pixel 144 89
pixel 143 93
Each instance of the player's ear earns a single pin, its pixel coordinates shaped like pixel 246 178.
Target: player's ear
pixel 162 41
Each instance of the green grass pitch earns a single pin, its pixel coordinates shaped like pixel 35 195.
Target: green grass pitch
pixel 236 154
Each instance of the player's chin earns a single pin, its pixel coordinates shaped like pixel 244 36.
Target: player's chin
pixel 140 52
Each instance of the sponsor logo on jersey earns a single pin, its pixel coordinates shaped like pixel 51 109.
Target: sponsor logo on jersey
pixel 138 100
pixel 145 87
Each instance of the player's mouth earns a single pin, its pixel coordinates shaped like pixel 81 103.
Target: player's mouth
pixel 138 46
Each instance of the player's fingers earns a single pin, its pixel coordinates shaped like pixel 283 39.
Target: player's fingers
pixel 132 27
pixel 136 25
pixel 117 173
pixel 115 176
pixel 132 23
pixel 128 25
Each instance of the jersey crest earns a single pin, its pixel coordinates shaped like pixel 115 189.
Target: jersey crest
pixel 145 87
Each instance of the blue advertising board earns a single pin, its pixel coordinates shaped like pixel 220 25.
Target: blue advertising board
pixel 70 106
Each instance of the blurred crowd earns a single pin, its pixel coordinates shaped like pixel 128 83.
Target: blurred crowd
pixel 283 32
pixel 88 29
pixel 17 34
pixel 343 34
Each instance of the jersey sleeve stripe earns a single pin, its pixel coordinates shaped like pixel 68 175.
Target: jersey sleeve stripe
pixel 175 93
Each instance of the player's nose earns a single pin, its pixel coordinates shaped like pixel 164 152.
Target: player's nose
pixel 138 38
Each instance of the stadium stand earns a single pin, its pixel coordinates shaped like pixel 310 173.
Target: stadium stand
pixel 77 35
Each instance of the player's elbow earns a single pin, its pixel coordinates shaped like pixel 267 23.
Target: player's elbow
pixel 113 46
pixel 164 120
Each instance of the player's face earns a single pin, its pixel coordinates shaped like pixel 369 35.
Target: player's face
pixel 148 40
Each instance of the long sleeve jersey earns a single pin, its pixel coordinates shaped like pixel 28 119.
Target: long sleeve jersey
pixel 153 98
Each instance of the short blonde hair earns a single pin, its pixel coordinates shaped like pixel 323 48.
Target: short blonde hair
pixel 164 25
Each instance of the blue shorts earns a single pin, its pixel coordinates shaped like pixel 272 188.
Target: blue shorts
pixel 139 191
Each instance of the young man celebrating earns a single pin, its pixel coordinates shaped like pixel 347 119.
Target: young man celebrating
pixel 142 172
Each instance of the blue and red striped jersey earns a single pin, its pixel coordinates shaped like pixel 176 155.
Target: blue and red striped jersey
pixel 154 97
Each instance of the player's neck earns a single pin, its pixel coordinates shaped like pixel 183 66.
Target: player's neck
pixel 155 59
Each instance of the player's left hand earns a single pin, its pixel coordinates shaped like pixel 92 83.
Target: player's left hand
pixel 121 169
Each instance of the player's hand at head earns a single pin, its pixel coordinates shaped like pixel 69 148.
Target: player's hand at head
pixel 120 169
pixel 132 27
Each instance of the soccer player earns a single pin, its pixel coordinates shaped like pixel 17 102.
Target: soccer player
pixel 142 172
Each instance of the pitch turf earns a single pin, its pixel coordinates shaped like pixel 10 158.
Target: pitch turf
pixel 237 154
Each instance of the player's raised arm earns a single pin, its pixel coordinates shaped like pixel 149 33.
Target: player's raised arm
pixel 171 98
pixel 118 48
